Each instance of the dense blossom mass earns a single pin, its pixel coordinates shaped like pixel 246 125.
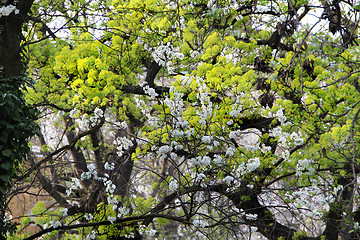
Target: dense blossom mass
pixel 193 119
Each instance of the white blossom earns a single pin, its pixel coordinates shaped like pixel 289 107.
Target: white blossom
pixel 285 154
pixel 239 17
pixel 109 166
pixel 173 155
pixel 122 143
pixel 121 125
pixel 275 132
pixel 84 122
pixel 230 151
pixel 175 104
pixel 146 231
pixel 74 112
pixel 111 219
pixel 98 113
pixel 91 236
pixel 64 212
pixel 265 149
pixel 59 115
pixel 283 17
pixel 253 164
pixel 75 183
pixel 177 133
pixel 200 176
pixel 173 185
pixel 7 10
pixel 280 116
pixel 162 53
pixel 112 201
pixel 189 133
pixel 94 121
pixel 337 189
pixel 303 164
pixel 150 232
pixel 199 223
pixel 228 179
pixel 250 216
pixel 252 147
pixel 92 172
pixel 230 122
pixel 237 107
pixel 55 224
pixel 234 134
pixel 163 150
pixel 150 91
pixel 296 138
pixel 211 3
pixel 207 139
pixel 110 187
pixel 205 161
pixel 172 5
pixel 194 54
pixel 130 235
pixel 200 161
pixel 179 147
pixel 218 160
pixel 123 211
pixel 88 216
pixel 241 170
pixel 261 8
pixel 235 113
pixel 250 186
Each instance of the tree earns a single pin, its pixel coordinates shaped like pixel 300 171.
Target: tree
pixel 213 119
pixel 17 118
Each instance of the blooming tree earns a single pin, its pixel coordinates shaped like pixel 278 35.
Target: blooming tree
pixel 198 119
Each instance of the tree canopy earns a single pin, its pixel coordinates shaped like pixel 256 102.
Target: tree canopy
pixel 199 119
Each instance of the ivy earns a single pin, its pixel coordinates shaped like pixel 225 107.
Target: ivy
pixel 17 125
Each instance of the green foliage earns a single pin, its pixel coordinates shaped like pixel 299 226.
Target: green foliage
pixel 246 121
pixel 17 125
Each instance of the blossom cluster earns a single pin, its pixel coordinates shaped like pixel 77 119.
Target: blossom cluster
pixel 200 161
pixel 173 185
pixel 85 121
pixel 122 144
pixel 91 235
pixel 109 166
pixel 176 106
pixel 237 107
pixel 285 138
pixel 164 53
pixel 203 95
pixel 304 164
pixel 150 91
pixel 91 172
pixel 199 223
pixel 55 224
pixel 75 183
pixel 146 231
pixel 245 168
pixel 7 10
pixel 299 201
pixel 145 108
pixel 110 188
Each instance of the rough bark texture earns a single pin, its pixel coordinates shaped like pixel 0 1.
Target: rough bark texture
pixel 11 67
